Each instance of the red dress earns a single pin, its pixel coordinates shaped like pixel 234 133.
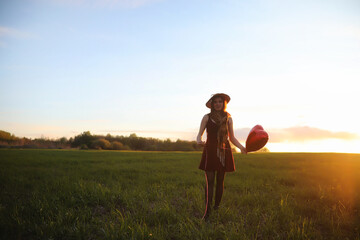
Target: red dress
pixel 209 159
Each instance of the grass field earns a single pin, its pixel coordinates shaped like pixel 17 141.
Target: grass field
pixel 71 194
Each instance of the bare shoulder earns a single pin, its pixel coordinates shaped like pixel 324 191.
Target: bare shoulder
pixel 230 120
pixel 206 117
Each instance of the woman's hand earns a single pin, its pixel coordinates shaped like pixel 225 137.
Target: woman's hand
pixel 243 150
pixel 201 143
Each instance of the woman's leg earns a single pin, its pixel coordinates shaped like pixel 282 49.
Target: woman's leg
pixel 220 176
pixel 209 189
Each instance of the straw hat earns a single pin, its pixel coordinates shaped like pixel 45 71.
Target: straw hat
pixel 222 95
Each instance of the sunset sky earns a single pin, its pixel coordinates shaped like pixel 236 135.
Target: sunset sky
pixel 149 66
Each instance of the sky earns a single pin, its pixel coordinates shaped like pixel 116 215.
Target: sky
pixel 149 66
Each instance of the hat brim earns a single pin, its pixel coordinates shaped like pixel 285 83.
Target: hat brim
pixel 222 95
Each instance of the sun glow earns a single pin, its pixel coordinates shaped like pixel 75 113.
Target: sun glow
pixel 328 145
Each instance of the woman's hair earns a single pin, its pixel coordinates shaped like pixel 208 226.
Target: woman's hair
pixel 224 104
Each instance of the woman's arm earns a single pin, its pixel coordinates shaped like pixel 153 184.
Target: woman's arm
pixel 201 130
pixel 233 138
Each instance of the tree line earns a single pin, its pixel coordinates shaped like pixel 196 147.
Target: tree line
pixel 86 140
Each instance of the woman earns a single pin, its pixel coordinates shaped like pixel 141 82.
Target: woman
pixel 217 157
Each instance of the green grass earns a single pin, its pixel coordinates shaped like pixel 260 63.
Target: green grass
pixel 70 194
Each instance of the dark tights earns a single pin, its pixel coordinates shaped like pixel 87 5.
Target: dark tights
pixel 209 189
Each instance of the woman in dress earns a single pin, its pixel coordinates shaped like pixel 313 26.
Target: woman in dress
pixel 217 156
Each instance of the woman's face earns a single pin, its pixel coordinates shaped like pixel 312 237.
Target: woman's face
pixel 218 103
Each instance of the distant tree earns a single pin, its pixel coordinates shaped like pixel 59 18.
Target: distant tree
pixel 118 146
pixel 167 145
pixel 151 148
pixel 196 146
pixel 264 150
pixel 63 140
pixel 84 147
pixel 183 146
pixel 84 138
pixel 6 136
pixel 137 143
pixel 126 147
pixel 109 137
pixel 101 143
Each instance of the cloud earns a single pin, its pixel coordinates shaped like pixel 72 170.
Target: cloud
pixel 299 134
pixel 318 29
pixel 107 3
pixel 351 31
pixel 14 33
